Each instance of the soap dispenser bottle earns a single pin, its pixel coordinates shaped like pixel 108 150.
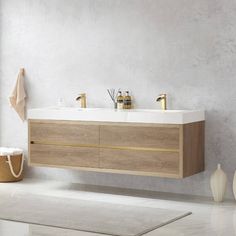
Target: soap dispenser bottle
pixel 120 101
pixel 127 101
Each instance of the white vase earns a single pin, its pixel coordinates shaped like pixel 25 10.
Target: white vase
pixel 234 185
pixel 218 184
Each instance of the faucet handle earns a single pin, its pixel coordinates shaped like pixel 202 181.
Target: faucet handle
pixel 80 96
pixel 161 96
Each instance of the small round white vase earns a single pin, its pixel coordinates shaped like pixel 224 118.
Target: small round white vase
pixel 234 185
pixel 218 184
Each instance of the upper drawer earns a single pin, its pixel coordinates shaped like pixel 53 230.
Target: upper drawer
pixel 135 136
pixel 64 132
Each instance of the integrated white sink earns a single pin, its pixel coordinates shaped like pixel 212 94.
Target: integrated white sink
pixel 112 115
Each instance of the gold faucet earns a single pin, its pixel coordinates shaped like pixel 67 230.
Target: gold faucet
pixel 82 99
pixel 163 99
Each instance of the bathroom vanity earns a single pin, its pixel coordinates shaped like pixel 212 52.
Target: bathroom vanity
pixel 140 142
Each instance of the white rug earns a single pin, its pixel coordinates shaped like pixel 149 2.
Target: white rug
pixel 82 215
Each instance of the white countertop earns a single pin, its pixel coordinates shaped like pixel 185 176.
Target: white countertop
pixel 112 115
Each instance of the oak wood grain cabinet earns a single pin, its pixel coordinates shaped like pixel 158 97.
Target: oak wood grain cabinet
pixel 165 150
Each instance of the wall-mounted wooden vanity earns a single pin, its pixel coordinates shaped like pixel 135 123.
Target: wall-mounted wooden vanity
pixel 166 150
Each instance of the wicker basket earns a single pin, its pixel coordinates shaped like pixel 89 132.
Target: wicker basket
pixel 11 164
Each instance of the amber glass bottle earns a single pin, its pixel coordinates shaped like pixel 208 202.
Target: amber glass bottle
pixel 127 101
pixel 120 101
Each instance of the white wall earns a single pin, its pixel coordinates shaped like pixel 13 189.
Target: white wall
pixel 186 48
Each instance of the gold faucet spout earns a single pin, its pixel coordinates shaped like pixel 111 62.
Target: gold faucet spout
pixel 163 99
pixel 82 99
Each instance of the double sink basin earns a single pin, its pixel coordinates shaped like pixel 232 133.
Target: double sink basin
pixel 112 115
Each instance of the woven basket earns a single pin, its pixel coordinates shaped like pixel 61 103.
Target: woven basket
pixel 11 165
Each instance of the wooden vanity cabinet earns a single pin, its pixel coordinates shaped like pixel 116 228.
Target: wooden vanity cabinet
pixel 164 150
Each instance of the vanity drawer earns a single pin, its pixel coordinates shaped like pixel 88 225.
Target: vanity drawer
pixel 64 132
pixel 64 156
pixel 136 136
pixel 140 161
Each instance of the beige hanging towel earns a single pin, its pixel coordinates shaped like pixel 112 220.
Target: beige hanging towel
pixel 18 96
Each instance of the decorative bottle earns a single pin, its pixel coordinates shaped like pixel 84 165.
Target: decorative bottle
pixel 127 101
pixel 218 184
pixel 120 101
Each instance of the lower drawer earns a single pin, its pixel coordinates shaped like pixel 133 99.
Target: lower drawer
pixel 136 160
pixel 64 156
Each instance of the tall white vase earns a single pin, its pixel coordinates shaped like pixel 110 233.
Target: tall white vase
pixel 234 185
pixel 218 184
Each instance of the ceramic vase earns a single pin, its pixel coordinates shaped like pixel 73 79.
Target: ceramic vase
pixel 234 185
pixel 218 184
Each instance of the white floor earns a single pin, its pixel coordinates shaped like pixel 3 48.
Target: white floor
pixel 208 218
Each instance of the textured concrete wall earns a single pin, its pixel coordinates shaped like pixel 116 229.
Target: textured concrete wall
pixel 186 48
